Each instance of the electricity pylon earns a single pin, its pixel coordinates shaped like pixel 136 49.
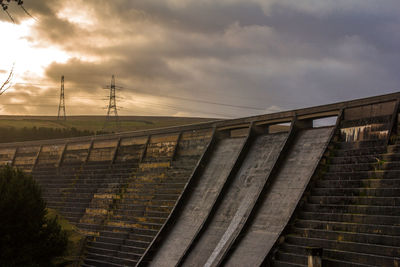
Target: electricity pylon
pixel 112 104
pixel 61 106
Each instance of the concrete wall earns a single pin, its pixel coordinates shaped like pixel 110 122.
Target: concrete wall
pixel 206 194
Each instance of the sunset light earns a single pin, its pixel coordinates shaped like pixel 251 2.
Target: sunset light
pixel 21 49
pixel 184 58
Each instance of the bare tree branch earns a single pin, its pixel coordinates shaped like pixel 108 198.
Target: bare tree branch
pixel 5 3
pixel 9 15
pixel 26 11
pixel 7 84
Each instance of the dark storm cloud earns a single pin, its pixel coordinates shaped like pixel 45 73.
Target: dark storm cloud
pixel 266 54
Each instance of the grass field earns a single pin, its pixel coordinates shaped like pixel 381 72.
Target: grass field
pixel 97 123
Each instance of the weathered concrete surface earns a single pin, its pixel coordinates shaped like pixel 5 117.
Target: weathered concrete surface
pixel 102 150
pixel 279 202
pixel 199 204
pixel 76 153
pixel 351 211
pixel 161 147
pixel 192 141
pixel 25 157
pixel 131 149
pixel 368 111
pixel 238 200
pixel 7 155
pixel 50 155
pixel 76 171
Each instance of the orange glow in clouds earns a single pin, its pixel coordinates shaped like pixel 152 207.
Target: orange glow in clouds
pixel 18 47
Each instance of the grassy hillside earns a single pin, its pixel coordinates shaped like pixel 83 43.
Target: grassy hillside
pixel 96 123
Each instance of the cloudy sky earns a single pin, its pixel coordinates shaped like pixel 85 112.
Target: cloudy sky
pixel 208 58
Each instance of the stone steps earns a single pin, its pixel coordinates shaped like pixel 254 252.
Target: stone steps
pixel 144 206
pixel 115 250
pixel 60 205
pixel 332 256
pixel 123 241
pixel 364 166
pixel 140 213
pixel 123 204
pixel 352 152
pixel 108 260
pixel 374 158
pixel 77 195
pixel 149 202
pixel 298 259
pixel 99 263
pixel 354 209
pixel 146 186
pixel 355 200
pixel 350 218
pixel 171 189
pixel 379 174
pixel 75 190
pixel 360 248
pixel 369 183
pixel 158 180
pixel 116 230
pixel 155 196
pixel 372 192
pixel 147 208
pixel 146 218
pixel 81 185
pixel 384 240
pixel 360 144
pixel 389 230
pixel 81 181
pixel 279 263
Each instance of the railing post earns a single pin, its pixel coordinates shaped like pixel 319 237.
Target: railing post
pixel 115 153
pixel 37 157
pixel 89 151
pixel 393 126
pixel 314 257
pixel 178 139
pixel 62 155
pixel 14 156
pixel 145 148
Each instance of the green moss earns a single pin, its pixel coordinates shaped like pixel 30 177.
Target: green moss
pixel 75 241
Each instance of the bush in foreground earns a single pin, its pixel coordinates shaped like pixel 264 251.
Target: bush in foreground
pixel 27 236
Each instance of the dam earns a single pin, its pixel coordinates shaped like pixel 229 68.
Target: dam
pixel 254 191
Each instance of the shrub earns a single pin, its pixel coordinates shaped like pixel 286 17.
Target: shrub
pixel 27 237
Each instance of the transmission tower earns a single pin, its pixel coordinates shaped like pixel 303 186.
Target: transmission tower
pixel 112 104
pixel 61 106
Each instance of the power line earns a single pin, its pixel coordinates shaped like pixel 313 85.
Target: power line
pixel 156 105
pixel 180 98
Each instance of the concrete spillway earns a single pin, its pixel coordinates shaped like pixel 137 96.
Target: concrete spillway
pixel 243 192
pixel 199 204
pixel 237 200
pixel 278 203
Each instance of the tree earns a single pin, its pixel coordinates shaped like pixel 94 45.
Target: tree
pixel 27 236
